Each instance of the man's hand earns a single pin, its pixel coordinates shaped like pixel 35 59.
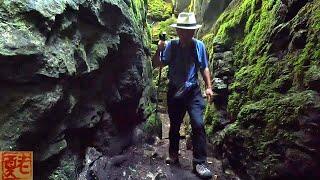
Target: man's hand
pixel 161 45
pixel 209 94
pixel 156 62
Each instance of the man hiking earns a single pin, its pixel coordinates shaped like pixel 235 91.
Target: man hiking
pixel 185 56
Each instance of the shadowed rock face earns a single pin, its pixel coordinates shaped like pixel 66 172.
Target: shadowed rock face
pixel 181 5
pixel 210 13
pixel 72 74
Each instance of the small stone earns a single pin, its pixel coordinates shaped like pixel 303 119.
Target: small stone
pixel 157 140
pixel 131 169
pixel 215 177
pixel 118 160
pixel 160 176
pixel 229 172
pixel 155 154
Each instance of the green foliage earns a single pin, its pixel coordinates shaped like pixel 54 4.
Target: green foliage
pixel 159 10
pixel 164 26
pixel 153 124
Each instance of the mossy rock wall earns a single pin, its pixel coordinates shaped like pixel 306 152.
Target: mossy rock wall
pixel 73 74
pixel 272 83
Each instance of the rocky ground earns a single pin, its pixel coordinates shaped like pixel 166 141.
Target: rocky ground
pixel 147 161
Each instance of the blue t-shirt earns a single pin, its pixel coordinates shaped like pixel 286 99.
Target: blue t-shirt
pixel 182 69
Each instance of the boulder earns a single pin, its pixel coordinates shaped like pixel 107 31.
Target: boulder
pixel 74 74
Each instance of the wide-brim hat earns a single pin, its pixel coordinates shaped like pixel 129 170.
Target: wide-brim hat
pixel 186 21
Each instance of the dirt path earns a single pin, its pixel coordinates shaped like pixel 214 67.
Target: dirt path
pixel 148 162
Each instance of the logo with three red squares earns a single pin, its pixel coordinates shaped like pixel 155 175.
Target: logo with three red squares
pixel 16 165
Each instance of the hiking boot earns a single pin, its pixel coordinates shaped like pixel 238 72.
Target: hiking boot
pixel 202 171
pixel 172 159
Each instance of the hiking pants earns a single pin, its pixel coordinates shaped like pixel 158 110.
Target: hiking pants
pixel 193 102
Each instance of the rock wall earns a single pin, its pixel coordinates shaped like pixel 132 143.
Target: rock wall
pixel 73 74
pixel 180 5
pixel 210 12
pixel 265 58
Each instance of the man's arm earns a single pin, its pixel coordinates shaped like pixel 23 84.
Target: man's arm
pixel 156 57
pixel 208 86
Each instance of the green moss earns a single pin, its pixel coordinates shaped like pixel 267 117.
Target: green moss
pixel 257 29
pixel 271 89
pixel 212 120
pixel 302 62
pixel 312 75
pixel 229 20
pixel 159 10
pixel 251 19
pixel 208 39
pixel 262 75
pixel 277 114
pixel 261 125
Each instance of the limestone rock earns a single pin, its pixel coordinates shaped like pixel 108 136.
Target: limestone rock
pixel 74 74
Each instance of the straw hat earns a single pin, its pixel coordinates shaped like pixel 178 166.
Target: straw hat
pixel 186 21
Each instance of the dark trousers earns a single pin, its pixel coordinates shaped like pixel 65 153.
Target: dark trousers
pixel 193 102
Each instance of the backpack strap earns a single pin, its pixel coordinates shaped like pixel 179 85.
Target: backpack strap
pixel 195 53
pixel 174 47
